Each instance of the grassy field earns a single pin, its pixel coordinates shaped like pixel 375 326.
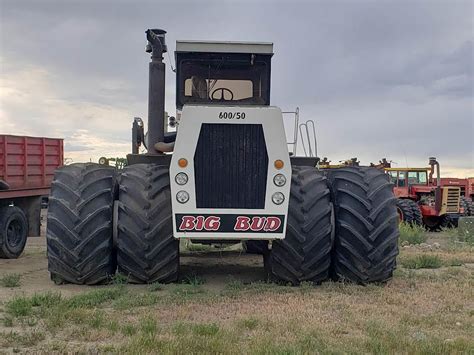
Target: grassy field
pixel 427 308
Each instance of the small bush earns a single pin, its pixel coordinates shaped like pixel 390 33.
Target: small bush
pixel 422 262
pixel 193 280
pixel 412 234
pixel 119 279
pixel 10 280
pixel 156 286
pixel 19 306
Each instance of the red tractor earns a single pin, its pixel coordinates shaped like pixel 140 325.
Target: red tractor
pixel 422 199
pixel 467 193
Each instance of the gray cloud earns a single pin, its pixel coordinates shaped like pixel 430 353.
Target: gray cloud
pixel 385 78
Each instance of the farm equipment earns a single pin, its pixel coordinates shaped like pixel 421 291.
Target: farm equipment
pixel 225 175
pixel 27 165
pixel 466 187
pixel 421 197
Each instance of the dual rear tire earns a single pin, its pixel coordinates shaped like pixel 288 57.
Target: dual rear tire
pixel 359 203
pixel 361 246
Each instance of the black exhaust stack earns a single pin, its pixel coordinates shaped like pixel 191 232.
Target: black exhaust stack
pixel 156 89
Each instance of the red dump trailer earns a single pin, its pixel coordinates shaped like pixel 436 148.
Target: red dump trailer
pixel 27 166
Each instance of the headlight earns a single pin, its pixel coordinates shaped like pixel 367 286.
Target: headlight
pixel 278 198
pixel 181 178
pixel 279 180
pixel 182 196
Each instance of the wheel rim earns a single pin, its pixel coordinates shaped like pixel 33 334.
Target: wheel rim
pixel 14 233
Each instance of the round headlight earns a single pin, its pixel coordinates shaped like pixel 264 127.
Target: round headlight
pixel 181 178
pixel 279 180
pixel 278 198
pixel 182 196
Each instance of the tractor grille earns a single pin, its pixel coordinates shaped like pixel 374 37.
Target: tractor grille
pixel 452 200
pixel 230 166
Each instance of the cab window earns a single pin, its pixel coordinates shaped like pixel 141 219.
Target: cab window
pixel 393 176
pixel 401 178
pixel 412 178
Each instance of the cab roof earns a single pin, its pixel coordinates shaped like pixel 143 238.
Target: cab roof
pixel 407 169
pixel 224 47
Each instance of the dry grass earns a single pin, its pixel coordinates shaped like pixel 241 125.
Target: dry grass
pixel 421 311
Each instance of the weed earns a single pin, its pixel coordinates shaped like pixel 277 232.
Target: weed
pixel 94 298
pixel 136 300
pixel 249 323
pixel 14 339
pixel 19 306
pixel 454 262
pixel 10 280
pixel 412 234
pixel 128 329
pixel 156 286
pixel 48 299
pixel 193 280
pixel 205 329
pixel 119 279
pixel 7 321
pixel 423 261
pixel 148 326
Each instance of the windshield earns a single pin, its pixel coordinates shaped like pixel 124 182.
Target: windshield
pixel 224 80
pixel 417 177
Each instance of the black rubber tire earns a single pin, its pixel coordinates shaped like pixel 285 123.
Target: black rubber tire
pixel 417 216
pixel 405 211
pixel 366 243
pixel 255 246
pixel 466 204
pixel 437 223
pixel 305 253
pixel 13 232
pixel 147 252
pixel 79 229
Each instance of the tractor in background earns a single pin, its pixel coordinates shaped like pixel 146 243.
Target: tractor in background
pixel 467 193
pixel 421 198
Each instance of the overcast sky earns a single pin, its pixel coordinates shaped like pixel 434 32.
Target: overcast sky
pixel 380 78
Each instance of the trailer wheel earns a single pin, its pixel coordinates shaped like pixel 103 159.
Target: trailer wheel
pixel 255 246
pixel 305 253
pixel 466 204
pixel 366 243
pixel 79 229
pixel 13 232
pixel 146 249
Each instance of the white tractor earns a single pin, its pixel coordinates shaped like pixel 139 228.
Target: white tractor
pixel 225 175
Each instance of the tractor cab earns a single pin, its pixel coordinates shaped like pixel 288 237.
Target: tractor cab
pixel 223 73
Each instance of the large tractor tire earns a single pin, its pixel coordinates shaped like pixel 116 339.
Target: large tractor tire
pixel 13 232
pixel 79 229
pixel 366 242
pixel 147 252
pixel 409 212
pixel 305 253
pixel 467 205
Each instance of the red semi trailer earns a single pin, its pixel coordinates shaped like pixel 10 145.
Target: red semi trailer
pixel 27 166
